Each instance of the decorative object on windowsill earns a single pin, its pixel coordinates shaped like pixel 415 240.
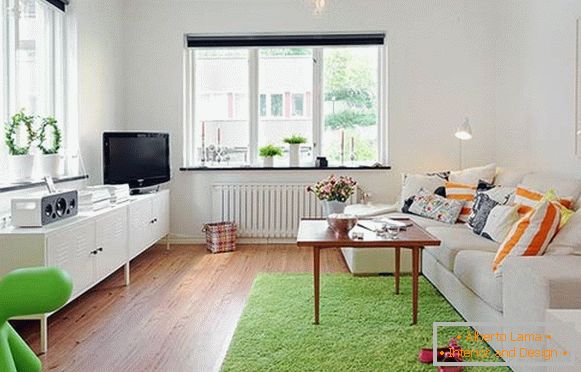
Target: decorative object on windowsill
pixel 341 223
pixel 50 159
pixel 294 143
pixel 221 236
pixel 20 161
pixel 321 162
pixel 203 157
pixel 318 6
pixel 267 153
pixel 352 155
pixel 342 146
pixel 333 192
pixel 463 133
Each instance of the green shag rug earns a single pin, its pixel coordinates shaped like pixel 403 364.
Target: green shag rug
pixel 364 326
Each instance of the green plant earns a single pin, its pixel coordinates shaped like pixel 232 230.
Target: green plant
pixel 295 140
pixel 12 126
pixel 269 150
pixel 49 122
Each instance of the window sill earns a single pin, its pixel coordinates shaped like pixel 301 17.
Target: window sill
pixel 38 183
pixel 305 168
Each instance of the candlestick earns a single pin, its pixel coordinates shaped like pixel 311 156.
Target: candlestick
pixel 352 155
pixel 203 159
pixel 219 137
pixel 342 146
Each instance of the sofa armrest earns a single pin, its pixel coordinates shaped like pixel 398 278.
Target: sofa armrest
pixel 533 284
pixel 370 210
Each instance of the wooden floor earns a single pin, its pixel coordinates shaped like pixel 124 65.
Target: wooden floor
pixel 178 314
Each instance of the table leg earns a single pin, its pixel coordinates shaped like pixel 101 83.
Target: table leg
pixel 397 269
pixel 316 279
pixel 415 282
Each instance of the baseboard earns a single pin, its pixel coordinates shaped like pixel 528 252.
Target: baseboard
pixel 186 240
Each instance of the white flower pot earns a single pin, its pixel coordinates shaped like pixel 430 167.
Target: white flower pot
pixel 49 165
pixel 20 167
pixel 268 162
pixel 294 154
pixel 333 206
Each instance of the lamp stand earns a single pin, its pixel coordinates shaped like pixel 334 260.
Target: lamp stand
pixel 461 155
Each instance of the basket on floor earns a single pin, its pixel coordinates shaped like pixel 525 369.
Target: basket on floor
pixel 221 236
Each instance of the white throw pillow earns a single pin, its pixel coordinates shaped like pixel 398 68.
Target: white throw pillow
pixel 472 176
pixel 499 222
pixel 413 183
pixel 568 239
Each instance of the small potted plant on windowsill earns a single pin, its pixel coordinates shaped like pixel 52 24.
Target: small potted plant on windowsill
pixel 50 159
pixel 294 142
pixel 267 153
pixel 20 161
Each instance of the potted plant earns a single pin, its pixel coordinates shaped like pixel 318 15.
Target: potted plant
pixel 268 153
pixel 333 192
pixel 50 160
pixel 20 161
pixel 294 142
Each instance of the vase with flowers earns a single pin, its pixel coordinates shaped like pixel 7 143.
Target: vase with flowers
pixel 333 192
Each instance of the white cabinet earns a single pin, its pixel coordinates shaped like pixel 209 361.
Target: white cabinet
pixel 90 246
pixel 148 221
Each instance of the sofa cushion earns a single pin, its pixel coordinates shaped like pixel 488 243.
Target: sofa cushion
pixel 510 177
pixel 455 239
pixel 564 186
pixel 422 221
pixel 472 268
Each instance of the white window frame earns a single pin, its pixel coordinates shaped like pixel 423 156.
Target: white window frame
pixel 317 110
pixel 56 88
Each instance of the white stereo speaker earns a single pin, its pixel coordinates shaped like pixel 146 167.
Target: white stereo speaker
pixel 40 210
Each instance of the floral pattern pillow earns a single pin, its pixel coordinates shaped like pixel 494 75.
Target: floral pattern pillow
pixel 435 207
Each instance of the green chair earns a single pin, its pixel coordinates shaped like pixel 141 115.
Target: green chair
pixel 28 292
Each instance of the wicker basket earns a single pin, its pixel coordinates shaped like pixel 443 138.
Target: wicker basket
pixel 221 236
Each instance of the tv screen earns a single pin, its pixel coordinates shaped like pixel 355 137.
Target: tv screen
pixel 139 159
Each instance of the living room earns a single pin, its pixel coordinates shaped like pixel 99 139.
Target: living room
pixel 381 92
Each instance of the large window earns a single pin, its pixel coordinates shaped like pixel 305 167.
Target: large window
pixel 32 64
pixel 241 97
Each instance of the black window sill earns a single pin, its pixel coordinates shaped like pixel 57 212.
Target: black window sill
pixel 307 168
pixel 38 183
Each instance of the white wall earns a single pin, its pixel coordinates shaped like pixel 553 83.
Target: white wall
pixel 441 69
pixel 99 75
pixel 536 85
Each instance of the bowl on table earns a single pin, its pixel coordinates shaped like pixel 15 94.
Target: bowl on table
pixel 342 223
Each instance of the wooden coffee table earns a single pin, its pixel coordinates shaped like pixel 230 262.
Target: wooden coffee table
pixel 317 234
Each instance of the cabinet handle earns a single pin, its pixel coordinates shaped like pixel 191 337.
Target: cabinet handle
pixel 100 249
pixel 94 252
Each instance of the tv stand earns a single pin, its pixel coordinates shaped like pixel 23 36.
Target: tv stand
pixel 144 190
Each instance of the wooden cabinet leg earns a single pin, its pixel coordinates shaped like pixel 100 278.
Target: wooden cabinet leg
pixel 316 279
pixel 415 282
pixel 126 270
pixel 43 334
pixel 397 269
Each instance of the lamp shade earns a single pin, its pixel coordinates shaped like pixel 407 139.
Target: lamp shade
pixel 464 131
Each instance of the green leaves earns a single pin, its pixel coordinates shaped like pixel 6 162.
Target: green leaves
pixel 21 119
pixel 270 150
pixel 295 140
pixel 350 119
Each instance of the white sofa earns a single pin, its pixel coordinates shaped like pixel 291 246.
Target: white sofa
pixel 461 268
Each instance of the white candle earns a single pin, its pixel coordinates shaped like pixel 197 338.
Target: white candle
pixel 219 136
pixel 353 145
pixel 203 131
pixel 342 141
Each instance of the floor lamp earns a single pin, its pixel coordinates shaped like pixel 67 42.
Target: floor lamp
pixel 463 133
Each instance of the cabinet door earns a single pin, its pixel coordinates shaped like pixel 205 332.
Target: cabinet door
pixel 160 215
pixel 70 249
pixel 140 225
pixel 111 237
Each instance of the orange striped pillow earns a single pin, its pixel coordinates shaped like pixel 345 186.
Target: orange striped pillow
pixel 464 192
pixel 529 198
pixel 531 235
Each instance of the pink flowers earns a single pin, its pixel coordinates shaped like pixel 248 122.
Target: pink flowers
pixel 334 188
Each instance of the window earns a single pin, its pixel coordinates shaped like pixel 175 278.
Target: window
pixel 32 67
pixel 328 89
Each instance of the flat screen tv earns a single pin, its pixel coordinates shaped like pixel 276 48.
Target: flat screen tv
pixel 140 159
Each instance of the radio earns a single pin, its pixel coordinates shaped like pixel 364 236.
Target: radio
pixel 37 211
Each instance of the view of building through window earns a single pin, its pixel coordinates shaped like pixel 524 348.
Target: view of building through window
pixel 284 97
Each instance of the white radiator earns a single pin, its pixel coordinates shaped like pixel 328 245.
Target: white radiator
pixel 266 210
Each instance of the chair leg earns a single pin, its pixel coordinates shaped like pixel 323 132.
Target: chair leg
pixel 43 334
pixel 23 356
